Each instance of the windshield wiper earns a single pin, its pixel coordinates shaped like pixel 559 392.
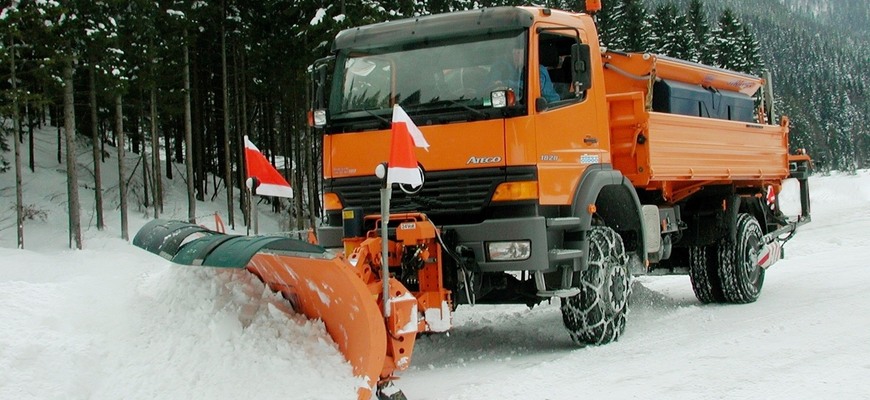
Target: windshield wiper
pixel 437 103
pixel 369 112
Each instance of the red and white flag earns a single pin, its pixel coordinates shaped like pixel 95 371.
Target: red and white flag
pixel 403 161
pixel 771 197
pixel 272 183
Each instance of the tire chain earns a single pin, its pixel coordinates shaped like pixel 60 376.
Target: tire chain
pixel 594 316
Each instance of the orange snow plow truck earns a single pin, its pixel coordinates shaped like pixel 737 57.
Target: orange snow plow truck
pixel 556 169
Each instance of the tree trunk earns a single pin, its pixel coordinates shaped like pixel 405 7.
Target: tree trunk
pixel 97 146
pixel 228 159
pixel 59 133
pixel 122 175
pixel 19 190
pixel 75 225
pixel 296 155
pixel 146 184
pixel 155 157
pixel 311 173
pixel 244 122
pixel 197 130
pixel 167 145
pixel 241 173
pixel 31 146
pixel 136 131
pixel 188 136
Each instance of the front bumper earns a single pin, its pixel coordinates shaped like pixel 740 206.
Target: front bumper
pixel 476 236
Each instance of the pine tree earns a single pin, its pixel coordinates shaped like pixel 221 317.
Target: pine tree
pixel 228 159
pixel 663 29
pixel 101 36
pixel 16 138
pixel 180 22
pixel 607 22
pixel 703 48
pixel 750 51
pixel 728 37
pixel 682 46
pixel 633 27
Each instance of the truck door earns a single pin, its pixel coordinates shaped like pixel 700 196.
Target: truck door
pixel 569 125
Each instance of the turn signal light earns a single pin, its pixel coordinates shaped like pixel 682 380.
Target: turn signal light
pixel 512 191
pixel 331 202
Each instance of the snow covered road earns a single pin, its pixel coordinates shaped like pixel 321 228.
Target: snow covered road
pixel 114 322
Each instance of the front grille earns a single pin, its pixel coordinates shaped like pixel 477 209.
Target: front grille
pixel 446 197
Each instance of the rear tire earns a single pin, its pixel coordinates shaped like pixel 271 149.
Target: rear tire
pixel 704 274
pixel 597 314
pixel 739 272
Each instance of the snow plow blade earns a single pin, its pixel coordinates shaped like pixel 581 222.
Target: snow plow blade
pixel 317 283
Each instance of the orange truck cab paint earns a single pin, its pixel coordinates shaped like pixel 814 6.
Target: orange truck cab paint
pixel 556 168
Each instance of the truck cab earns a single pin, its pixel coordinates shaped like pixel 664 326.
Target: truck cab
pixel 500 150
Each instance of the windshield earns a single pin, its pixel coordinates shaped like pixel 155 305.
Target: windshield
pixel 441 76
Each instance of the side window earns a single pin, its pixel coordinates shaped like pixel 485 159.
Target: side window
pixel 555 59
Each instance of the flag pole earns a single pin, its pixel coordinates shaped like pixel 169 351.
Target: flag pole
pixel 405 169
pixel 249 221
pixel 386 193
pixel 252 183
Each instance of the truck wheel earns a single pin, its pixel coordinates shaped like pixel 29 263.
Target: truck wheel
pixel 597 314
pixel 739 272
pixel 704 274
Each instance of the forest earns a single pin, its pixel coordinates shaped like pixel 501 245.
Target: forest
pixel 180 82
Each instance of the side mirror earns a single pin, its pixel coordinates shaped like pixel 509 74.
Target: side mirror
pixel 318 80
pixel 581 73
pixel 541 104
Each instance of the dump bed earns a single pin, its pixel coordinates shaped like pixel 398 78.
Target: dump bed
pixel 678 126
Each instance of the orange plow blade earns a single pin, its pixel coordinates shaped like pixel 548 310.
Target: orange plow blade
pixel 327 289
pixel 316 282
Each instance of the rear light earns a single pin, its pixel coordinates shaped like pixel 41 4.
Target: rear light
pixel 331 202
pixel 512 191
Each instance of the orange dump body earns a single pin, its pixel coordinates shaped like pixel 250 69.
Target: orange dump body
pixel 679 154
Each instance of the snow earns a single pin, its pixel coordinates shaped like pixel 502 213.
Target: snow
pixel 115 322
pixel 318 17
pixel 438 319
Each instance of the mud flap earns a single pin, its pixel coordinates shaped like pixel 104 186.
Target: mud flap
pixel 316 282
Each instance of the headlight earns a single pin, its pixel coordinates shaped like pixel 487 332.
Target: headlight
pixel 509 251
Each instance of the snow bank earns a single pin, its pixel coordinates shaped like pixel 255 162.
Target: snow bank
pixel 118 323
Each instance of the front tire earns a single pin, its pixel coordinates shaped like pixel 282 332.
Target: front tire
pixel 739 272
pixel 597 314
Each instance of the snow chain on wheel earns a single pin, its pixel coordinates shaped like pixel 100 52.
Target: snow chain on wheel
pixel 739 272
pixel 597 314
pixel 704 273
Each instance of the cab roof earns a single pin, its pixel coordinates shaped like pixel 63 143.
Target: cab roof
pixel 433 27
